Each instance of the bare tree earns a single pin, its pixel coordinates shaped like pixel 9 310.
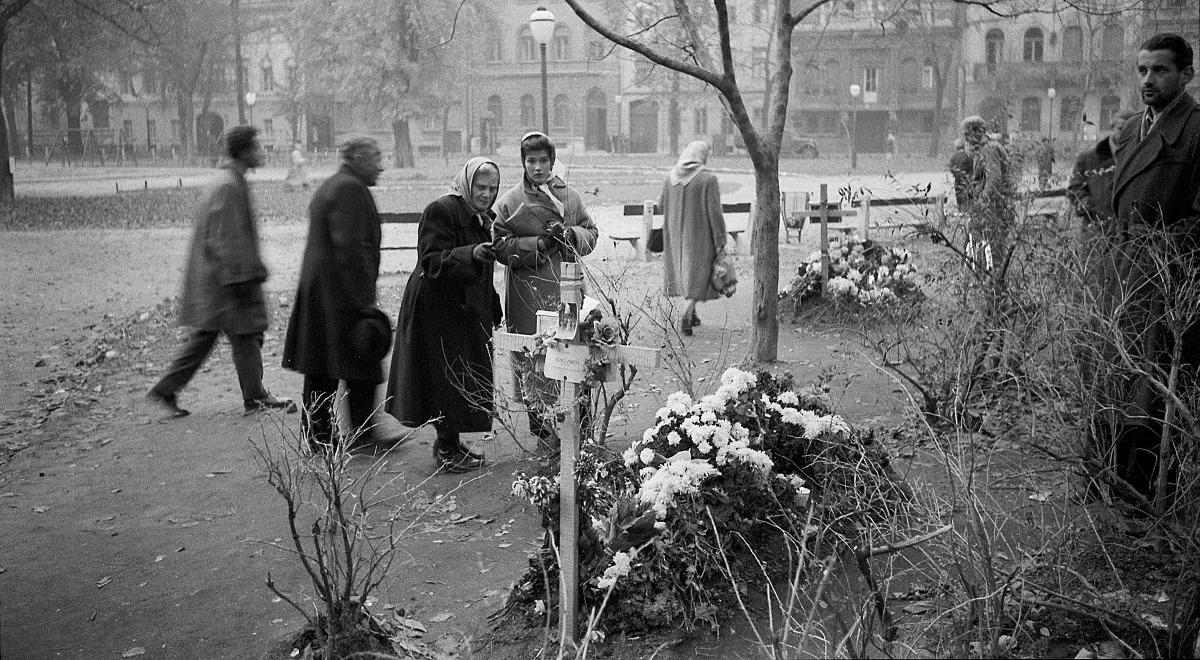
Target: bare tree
pixel 8 10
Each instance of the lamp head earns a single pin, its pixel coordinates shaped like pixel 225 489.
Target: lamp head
pixel 541 25
pixel 855 90
pixel 251 97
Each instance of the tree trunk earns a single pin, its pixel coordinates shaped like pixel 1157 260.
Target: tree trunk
pixel 402 153
pixel 764 337
pixel 6 175
pixel 184 107
pixel 939 98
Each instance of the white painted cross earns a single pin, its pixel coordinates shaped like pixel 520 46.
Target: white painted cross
pixel 567 361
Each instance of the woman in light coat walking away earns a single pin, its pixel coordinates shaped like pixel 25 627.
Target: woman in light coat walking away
pixel 693 231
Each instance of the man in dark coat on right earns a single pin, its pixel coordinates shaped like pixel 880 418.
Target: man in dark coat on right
pixel 337 287
pixel 1156 187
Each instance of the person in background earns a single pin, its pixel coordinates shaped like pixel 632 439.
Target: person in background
pixel 989 195
pixel 961 170
pixel 442 360
pixel 1090 188
pixel 297 176
pixel 222 285
pixel 540 223
pixel 337 286
pixel 693 231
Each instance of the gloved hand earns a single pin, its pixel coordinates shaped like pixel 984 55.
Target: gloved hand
pixel 483 253
pixel 556 235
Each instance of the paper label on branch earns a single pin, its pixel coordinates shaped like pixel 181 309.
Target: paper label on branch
pixel 567 362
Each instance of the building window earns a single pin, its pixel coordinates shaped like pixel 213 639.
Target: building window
pixel 528 111
pixel 927 77
pixel 1070 114
pixel 127 130
pixel 176 130
pixel 700 121
pixel 596 49
pixel 268 75
pixel 293 74
pixel 1072 44
pixel 562 45
pixel 1113 43
pixel 495 51
pixel 727 124
pixel 812 122
pixel 757 14
pixel 1031 114
pixel 909 75
pixel 496 109
pixel 151 131
pixel 149 80
pixel 127 84
pixel 833 77
pixel 99 112
pixel 269 129
pixel 562 112
pixel 529 49
pixel 1033 45
pixel 870 80
pixel 643 71
pixel 758 60
pixel 994 49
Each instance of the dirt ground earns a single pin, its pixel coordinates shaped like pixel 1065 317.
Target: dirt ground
pixel 123 535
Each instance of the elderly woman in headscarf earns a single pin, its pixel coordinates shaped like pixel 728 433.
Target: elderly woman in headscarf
pixel 441 363
pixel 693 231
pixel 540 223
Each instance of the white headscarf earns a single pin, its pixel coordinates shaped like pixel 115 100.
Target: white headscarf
pixel 461 184
pixel 691 161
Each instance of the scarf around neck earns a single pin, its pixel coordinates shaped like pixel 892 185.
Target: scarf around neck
pixel 691 161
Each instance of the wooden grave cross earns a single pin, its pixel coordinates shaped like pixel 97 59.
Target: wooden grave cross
pixel 567 360
pixel 824 213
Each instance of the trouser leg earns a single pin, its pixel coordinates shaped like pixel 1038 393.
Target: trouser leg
pixel 247 359
pixel 319 395
pixel 361 395
pixel 187 361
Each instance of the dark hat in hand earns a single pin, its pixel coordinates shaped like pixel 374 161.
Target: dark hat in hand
pixel 371 335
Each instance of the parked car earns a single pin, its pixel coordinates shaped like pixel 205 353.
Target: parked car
pixel 793 146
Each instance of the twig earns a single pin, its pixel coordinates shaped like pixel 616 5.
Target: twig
pixel 908 543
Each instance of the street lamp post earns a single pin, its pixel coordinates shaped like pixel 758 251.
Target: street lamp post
pixel 855 90
pixel 541 28
pixel 1051 92
pixel 251 97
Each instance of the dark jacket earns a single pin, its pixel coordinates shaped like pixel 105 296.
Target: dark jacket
pixel 442 361
pixel 1091 185
pixel 1158 178
pixel 532 282
pixel 222 283
pixel 337 280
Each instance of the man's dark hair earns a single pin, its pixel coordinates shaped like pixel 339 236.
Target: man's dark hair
pixel 238 140
pixel 1181 51
pixel 537 142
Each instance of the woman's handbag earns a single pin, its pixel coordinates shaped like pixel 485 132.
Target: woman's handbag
pixel 724 277
pixel 655 242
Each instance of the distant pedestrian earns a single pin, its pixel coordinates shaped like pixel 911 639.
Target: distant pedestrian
pixel 1090 188
pixel 222 285
pixel 336 292
pixel 990 189
pixel 961 170
pixel 297 176
pixel 540 223
pixel 890 145
pixel 693 231
pixel 442 360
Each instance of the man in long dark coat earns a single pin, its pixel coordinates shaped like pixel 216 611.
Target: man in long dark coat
pixel 337 283
pixel 222 285
pixel 1156 188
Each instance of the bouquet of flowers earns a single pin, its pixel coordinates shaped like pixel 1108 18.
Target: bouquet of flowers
pixel 861 272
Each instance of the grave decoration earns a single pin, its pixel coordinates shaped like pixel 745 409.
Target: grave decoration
pixel 863 272
pixel 706 497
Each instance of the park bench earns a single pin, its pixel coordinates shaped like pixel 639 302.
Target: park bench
pixel 648 209
pixel 405 218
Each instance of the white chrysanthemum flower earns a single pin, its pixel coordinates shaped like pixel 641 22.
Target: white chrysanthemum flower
pixel 789 398
pixel 539 606
pixel 742 379
pixel 630 455
pixel 673 438
pixel 647 455
pixel 619 568
pixel 672 479
pixel 815 425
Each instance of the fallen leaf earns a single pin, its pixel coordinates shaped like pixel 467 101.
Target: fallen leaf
pixel 104 582
pixel 919 607
pixel 159 558
pixel 438 618
pixel 133 652
pixel 1162 597
pixel 1155 621
pixel 412 624
pixel 504 545
pixel 1040 496
pixel 1044 631
pixel 41 509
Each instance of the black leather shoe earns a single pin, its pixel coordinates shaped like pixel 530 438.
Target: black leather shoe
pixel 269 402
pixel 456 461
pixel 167 403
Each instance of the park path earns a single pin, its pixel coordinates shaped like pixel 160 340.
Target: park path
pixel 120 532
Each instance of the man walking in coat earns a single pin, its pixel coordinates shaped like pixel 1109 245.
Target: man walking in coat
pixel 337 289
pixel 222 286
pixel 1156 188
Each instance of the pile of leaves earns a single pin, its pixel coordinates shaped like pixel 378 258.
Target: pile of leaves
pixel 708 498
pixel 862 273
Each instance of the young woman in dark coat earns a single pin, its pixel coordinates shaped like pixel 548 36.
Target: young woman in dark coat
pixel 442 361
